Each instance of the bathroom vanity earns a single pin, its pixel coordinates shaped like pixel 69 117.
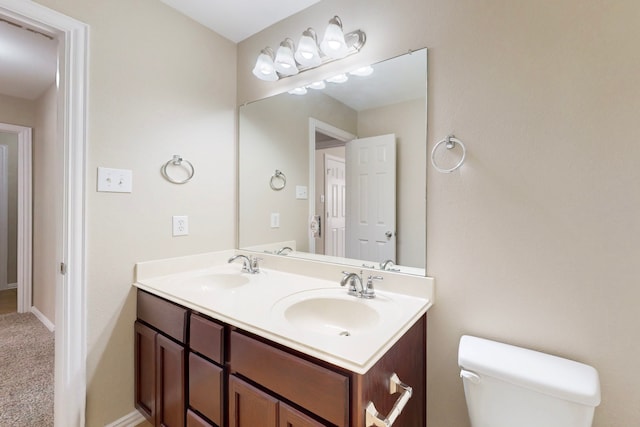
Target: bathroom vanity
pixel 217 347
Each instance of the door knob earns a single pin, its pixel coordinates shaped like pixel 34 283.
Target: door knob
pixel 389 234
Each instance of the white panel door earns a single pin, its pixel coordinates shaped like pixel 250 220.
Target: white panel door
pixel 371 198
pixel 335 188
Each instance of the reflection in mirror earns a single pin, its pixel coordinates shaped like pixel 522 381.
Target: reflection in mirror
pixel 354 154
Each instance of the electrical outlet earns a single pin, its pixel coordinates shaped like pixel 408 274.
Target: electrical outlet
pixel 180 225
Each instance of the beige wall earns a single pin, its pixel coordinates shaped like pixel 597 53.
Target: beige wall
pixel 17 111
pixel 534 241
pixel 159 84
pixel 10 140
pixel 407 121
pixel 47 157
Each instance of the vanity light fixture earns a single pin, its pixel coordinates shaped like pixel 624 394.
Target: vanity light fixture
pixel 340 78
pixel 265 68
pixel 307 53
pixel 298 91
pixel 362 71
pixel 289 60
pixel 284 62
pixel 317 85
pixel 333 43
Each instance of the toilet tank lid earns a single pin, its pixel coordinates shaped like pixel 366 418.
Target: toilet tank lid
pixel 552 375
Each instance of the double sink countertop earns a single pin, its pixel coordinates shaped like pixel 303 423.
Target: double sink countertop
pixel 297 303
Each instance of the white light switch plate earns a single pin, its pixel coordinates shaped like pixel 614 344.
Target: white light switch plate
pixel 115 180
pixel 180 225
pixel 275 220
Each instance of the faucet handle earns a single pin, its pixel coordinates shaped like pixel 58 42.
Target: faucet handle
pixel 368 291
pixel 255 268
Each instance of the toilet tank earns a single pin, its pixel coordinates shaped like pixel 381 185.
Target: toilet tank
pixel 508 386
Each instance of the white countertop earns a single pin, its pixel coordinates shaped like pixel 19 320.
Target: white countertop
pixel 257 303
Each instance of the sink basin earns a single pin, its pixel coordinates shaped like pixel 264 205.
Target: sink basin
pixel 333 312
pixel 203 282
pixel 209 282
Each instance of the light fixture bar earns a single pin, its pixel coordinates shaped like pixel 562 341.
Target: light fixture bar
pixel 290 60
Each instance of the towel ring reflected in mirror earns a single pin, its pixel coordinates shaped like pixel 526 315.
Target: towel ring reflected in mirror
pixel 278 181
pixel 178 161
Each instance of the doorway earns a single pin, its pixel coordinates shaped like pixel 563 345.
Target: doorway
pixel 337 138
pixel 24 215
pixel 70 330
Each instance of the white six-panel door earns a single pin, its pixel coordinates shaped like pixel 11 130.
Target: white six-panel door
pixel 335 185
pixel 371 198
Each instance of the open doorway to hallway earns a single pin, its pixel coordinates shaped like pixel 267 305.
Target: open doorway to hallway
pixel 68 286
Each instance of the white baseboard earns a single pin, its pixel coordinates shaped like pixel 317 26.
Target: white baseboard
pixel 130 420
pixel 8 286
pixel 41 317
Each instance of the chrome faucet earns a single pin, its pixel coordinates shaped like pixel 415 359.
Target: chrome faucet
pixel 283 250
pixel 249 263
pixel 387 263
pixel 354 279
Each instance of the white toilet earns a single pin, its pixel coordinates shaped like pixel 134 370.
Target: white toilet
pixel 508 386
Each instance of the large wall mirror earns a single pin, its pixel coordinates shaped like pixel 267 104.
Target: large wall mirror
pixel 339 173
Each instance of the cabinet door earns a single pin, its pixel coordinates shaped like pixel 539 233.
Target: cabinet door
pixel 250 407
pixel 290 417
pixel 145 371
pixel 170 380
pixel 194 420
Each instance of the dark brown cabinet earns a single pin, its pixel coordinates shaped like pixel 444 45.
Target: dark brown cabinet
pixel 250 407
pixel 160 364
pixel 192 370
pixel 290 417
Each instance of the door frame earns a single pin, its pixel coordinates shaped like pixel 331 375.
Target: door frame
pixel 70 329
pixel 25 214
pixel 4 215
pixel 337 133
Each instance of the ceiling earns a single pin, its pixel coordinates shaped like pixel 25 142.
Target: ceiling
pixel 28 60
pixel 238 19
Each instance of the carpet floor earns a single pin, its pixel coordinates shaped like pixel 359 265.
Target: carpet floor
pixel 26 371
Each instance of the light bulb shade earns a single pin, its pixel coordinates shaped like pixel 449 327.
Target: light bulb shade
pixel 317 85
pixel 333 43
pixel 284 62
pixel 362 71
pixel 340 78
pixel 298 91
pixel 307 53
pixel 265 69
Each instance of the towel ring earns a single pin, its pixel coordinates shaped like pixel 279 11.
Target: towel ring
pixel 178 161
pixel 450 142
pixel 278 176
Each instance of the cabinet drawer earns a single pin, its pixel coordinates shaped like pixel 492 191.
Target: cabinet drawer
pixel 207 337
pixel 317 389
pixel 163 315
pixel 206 388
